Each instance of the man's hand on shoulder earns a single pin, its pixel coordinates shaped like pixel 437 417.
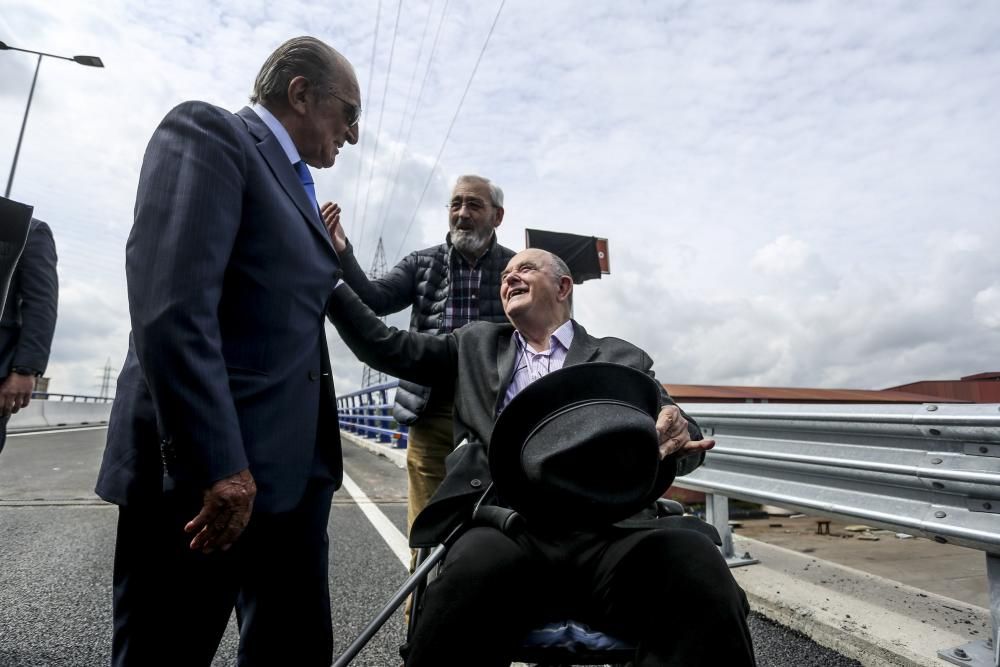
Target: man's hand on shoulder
pixel 672 429
pixel 331 219
pixel 225 513
pixel 15 393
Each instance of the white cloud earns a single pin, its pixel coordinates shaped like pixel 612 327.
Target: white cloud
pixel 794 193
pixel 782 256
pixel 986 305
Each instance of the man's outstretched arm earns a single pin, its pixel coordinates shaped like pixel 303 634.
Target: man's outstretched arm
pixel 423 358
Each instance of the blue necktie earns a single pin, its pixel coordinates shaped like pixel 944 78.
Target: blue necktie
pixel 307 182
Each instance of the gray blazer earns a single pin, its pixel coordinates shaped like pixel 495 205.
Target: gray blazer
pixel 478 362
pixel 229 270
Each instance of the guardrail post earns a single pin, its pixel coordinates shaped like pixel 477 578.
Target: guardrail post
pixel 384 412
pixel 370 412
pixel 993 581
pixel 982 652
pixel 717 514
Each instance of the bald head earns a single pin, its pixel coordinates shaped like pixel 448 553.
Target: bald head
pixel 536 290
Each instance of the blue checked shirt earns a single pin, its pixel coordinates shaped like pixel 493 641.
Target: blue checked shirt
pixel 462 305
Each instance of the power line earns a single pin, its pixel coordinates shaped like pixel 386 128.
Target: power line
pixel 378 128
pixel 387 204
pixel 368 96
pixel 430 175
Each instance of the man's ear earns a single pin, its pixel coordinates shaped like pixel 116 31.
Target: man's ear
pixel 298 91
pixel 499 218
pixel 565 287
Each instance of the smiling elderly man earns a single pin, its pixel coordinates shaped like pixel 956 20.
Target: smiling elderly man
pixel 448 286
pixel 223 452
pixel 493 586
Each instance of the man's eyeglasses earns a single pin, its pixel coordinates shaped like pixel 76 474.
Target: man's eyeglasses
pixel 474 205
pixel 353 110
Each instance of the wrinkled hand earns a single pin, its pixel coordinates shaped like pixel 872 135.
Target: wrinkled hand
pixel 15 393
pixel 224 513
pixel 331 220
pixel 672 429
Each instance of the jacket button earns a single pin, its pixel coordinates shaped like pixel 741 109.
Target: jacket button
pixel 475 483
pixel 313 376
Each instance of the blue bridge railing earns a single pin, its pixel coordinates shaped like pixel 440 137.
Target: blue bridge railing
pixel 368 412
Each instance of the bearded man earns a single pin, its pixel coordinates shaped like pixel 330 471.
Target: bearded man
pixel 448 286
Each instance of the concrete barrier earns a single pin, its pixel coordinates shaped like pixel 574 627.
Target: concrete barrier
pixel 42 414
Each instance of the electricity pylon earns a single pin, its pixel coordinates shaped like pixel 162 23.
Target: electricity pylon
pixel 370 376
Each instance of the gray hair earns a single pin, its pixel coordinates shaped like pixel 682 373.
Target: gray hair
pixel 496 194
pixel 560 269
pixel 299 56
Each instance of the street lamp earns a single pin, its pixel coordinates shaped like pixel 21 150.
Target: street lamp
pixel 89 61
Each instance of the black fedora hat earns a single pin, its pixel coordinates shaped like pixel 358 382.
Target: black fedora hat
pixel 578 448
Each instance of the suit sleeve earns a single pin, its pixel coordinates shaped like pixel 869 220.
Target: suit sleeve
pixel 386 295
pixel 426 359
pixel 39 294
pixel 187 215
pixel 689 462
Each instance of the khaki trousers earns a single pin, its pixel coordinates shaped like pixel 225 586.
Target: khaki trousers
pixel 428 444
pixel 430 441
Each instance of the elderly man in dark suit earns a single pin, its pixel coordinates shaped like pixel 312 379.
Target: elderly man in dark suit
pixel 28 322
pixel 494 587
pixel 223 450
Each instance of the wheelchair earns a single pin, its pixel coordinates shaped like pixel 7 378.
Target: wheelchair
pixel 561 642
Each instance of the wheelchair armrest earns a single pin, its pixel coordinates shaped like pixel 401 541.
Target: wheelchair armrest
pixel 505 520
pixel 666 507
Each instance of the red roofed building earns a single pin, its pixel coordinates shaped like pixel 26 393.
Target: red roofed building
pixel 978 388
pixel 706 393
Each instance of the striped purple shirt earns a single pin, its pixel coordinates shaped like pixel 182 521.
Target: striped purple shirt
pixel 531 365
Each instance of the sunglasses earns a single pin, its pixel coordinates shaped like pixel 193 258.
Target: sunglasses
pixel 353 111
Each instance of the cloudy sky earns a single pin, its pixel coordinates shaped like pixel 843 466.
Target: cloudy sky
pixel 795 193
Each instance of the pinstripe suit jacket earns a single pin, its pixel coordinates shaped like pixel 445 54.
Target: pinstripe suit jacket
pixel 229 270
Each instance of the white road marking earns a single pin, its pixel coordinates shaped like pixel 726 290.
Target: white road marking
pixel 386 529
pixel 57 430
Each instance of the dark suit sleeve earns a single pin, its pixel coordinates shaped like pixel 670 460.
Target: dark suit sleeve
pixel 386 295
pixel 187 215
pixel 39 295
pixel 426 359
pixel 689 462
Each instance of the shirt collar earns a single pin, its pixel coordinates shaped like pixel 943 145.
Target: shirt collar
pixel 279 132
pixel 563 336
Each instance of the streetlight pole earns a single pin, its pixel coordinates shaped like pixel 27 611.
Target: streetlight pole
pixel 89 61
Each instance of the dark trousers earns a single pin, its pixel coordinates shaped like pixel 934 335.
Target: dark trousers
pixel 3 431
pixel 669 590
pixel 171 604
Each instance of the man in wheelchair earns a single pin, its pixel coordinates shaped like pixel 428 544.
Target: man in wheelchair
pixel 571 433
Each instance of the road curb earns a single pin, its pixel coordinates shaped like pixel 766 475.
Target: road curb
pixel 397 456
pixel 860 615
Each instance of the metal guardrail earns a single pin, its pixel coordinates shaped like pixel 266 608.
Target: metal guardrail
pixel 928 470
pixel 368 412
pixel 73 398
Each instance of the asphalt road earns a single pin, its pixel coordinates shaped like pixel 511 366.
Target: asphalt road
pixel 57 541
